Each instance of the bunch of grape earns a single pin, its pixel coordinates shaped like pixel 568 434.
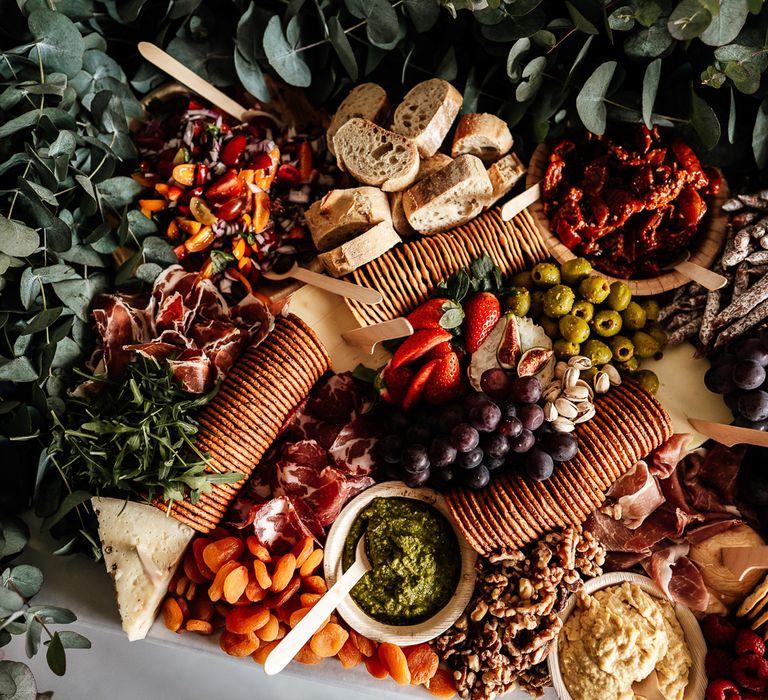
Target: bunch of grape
pixel 741 374
pixel 501 427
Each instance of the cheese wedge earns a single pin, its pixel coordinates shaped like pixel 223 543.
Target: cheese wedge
pixel 142 548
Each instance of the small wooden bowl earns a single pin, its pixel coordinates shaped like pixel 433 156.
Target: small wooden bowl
pixel 707 243
pixel 697 679
pixel 402 635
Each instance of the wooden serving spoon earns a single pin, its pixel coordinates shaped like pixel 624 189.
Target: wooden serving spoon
pixel 741 560
pixel 369 337
pixel 329 284
pixel 730 435
pixel 706 278
pixel 290 645
pixel 649 687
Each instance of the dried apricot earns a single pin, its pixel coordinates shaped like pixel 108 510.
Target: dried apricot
pixel 257 549
pixel 238 644
pixel 277 600
pixel 375 667
pixel 422 663
pixel 349 655
pixel 216 589
pixel 268 633
pixel 247 618
pixel 307 656
pixel 254 592
pixel 261 654
pixel 296 616
pixel 283 572
pixel 309 599
pixel 394 660
pixel 311 563
pixel 261 574
pixel 218 553
pixel 191 570
pixel 199 626
pixel 181 585
pixel 302 550
pixel 314 584
pixel 202 608
pixel 235 583
pixel 329 640
pixel 184 607
pixel 367 647
pixel 442 684
pixel 198 545
pixel 172 615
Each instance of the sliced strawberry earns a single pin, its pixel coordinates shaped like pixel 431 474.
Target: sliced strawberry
pixel 439 351
pixel 395 384
pixel 481 313
pixel 444 382
pixel 431 312
pixel 418 383
pixel 418 345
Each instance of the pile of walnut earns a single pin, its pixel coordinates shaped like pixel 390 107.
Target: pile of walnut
pixel 512 623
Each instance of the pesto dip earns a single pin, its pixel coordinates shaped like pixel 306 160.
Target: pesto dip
pixel 415 558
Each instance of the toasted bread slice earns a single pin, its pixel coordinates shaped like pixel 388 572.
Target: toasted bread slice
pixel 367 101
pixel 483 135
pixel 427 167
pixel 343 214
pixel 427 113
pixel 504 175
pixel 449 197
pixel 376 156
pixel 361 250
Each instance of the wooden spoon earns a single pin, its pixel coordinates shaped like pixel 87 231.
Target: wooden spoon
pixel 730 435
pixel 515 205
pixel 290 645
pixel 649 687
pixel 334 286
pixel 741 560
pixel 370 336
pixel 706 278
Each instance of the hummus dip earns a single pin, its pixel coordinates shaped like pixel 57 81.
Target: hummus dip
pixel 616 637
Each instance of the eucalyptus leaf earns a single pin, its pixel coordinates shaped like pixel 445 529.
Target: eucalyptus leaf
pixel 41 320
pixel 704 122
pixel 580 21
pixel 10 602
pixel 650 88
pixel 19 369
pixel 157 250
pixel 118 192
pixel 622 19
pixel 514 58
pixel 247 53
pixel 52 614
pixel 649 42
pixel 342 47
pixel 448 68
pixel 26 579
pixel 18 676
pixel 532 78
pixel 58 42
pixel 32 640
pixel 727 23
pixel 688 20
pixel 56 656
pixel 14 536
pixel 73 640
pixel 283 57
pixel 423 13
pixel 760 135
pixel 590 101
pixel 17 239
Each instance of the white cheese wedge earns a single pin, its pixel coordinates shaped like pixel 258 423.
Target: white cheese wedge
pixel 142 548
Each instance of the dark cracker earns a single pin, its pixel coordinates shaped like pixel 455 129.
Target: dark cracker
pixel 517 518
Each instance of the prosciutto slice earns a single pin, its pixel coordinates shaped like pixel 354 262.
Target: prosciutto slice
pixel 638 494
pixel 678 576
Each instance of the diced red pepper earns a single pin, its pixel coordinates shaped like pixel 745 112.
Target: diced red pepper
pixel 233 149
pixel 181 251
pixel 305 161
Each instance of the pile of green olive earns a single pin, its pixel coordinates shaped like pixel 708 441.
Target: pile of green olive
pixel 585 314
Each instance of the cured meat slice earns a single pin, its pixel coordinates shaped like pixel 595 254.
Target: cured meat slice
pixel 638 494
pixel 679 577
pixel 665 459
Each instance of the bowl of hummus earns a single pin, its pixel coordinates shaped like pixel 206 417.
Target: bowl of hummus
pixel 617 630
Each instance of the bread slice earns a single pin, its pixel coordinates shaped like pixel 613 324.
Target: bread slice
pixel 368 101
pixel 342 214
pixel 483 135
pixel 427 113
pixel 504 175
pixel 376 156
pixel 142 547
pixel 448 198
pixel 361 250
pixel 427 167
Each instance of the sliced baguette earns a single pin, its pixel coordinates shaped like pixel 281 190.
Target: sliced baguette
pixel 427 167
pixel 504 175
pixel 448 198
pixel 483 135
pixel 427 113
pixel 361 250
pixel 376 156
pixel 368 101
pixel 342 214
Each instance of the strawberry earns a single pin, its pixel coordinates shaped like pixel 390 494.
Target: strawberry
pixel 419 382
pixel 395 384
pixel 439 351
pixel 431 312
pixel 417 345
pixel 747 641
pixel 481 313
pixel 444 381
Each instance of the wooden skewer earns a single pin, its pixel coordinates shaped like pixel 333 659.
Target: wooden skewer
pixel 369 337
pixel 741 560
pixel 730 435
pixel 515 205
pixel 345 289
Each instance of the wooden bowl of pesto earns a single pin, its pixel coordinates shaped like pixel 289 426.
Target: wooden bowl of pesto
pixel 423 570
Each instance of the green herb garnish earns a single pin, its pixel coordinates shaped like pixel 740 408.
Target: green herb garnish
pixel 136 438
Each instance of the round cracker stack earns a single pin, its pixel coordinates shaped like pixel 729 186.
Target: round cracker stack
pixel 514 510
pixel 407 274
pixel 264 387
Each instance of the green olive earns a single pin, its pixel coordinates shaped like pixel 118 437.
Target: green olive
pixel 518 301
pixel 606 323
pixel 645 345
pixel 630 366
pixel 558 301
pixel 648 379
pixel 651 308
pixel 550 326
pixel 619 296
pixel 594 289
pixel 537 303
pixel 583 309
pixel 545 275
pixel 596 351
pixel 522 279
pixel 655 329
pixel 573 271
pixel 588 374
pixel 573 328
pixel 633 316
pixel 565 349
pixel 622 348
